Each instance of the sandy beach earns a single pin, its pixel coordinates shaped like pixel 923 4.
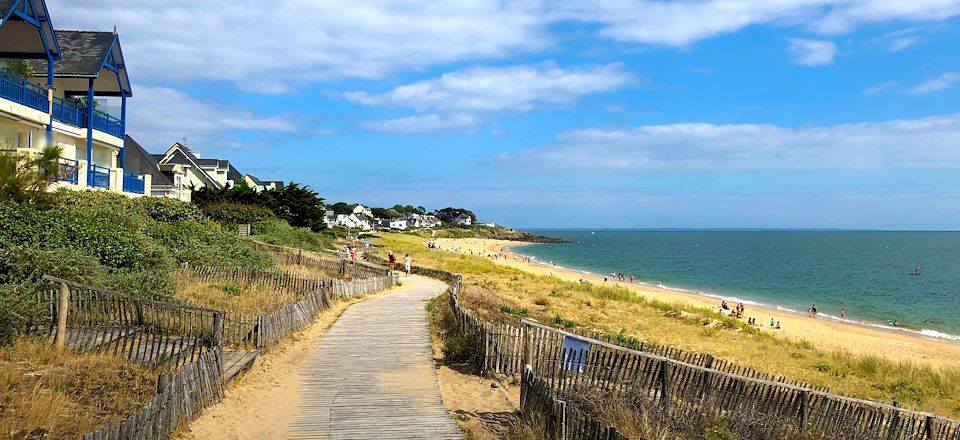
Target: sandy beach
pixel 827 334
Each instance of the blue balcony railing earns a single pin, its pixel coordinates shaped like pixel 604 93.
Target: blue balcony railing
pixel 68 112
pixel 133 183
pixel 23 92
pixel 98 177
pixel 68 170
pixel 107 124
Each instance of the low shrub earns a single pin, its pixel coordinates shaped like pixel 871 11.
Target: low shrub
pixel 514 311
pixel 279 232
pixel 236 213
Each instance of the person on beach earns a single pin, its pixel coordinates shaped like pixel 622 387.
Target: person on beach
pixel 631 279
pixel 843 313
pixel 814 310
pixel 771 322
pixel 391 259
pixel 406 264
pixel 778 325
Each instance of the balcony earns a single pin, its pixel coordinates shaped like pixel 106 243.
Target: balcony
pixel 98 177
pixel 133 183
pixel 68 112
pixel 107 124
pixel 23 92
pixel 68 170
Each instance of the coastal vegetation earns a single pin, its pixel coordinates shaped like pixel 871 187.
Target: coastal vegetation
pixel 493 291
pixel 47 393
pixel 131 245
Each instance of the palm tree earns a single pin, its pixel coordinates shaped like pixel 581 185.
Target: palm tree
pixel 25 176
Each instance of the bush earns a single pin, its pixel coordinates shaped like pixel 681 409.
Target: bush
pixel 170 210
pixel 279 232
pixel 205 244
pixel 236 213
pixel 17 309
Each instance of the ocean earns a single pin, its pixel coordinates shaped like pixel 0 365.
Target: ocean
pixel 866 272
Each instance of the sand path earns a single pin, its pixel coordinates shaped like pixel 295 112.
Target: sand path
pixel 363 369
pixel 372 375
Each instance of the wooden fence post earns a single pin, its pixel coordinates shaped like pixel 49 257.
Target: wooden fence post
pixel 62 310
pixel 804 410
pixel 665 382
pixel 929 427
pixel 217 329
pixel 527 345
pixel 562 418
pixel 894 422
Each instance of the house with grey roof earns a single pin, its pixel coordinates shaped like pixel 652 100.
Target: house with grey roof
pixel 201 172
pixel 261 185
pixel 76 99
pixel 168 180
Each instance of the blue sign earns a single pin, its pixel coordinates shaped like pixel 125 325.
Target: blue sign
pixel 575 353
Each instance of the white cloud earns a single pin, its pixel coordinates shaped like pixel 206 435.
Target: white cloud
pixel 430 123
pixel 498 89
pixel 685 23
pixel 812 53
pixel 882 87
pixel 160 116
pixel 271 46
pixel 910 143
pixel 903 43
pixel 937 84
pixel 276 46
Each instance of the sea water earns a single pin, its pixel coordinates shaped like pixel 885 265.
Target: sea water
pixel 866 272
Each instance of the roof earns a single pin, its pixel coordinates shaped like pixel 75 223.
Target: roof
pixel 180 154
pixel 16 20
pixel 138 160
pixel 85 55
pixel 233 174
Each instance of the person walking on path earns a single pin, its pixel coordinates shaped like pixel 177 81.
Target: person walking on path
pixel 406 264
pixel 392 260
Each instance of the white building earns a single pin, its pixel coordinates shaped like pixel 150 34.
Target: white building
pixel 463 220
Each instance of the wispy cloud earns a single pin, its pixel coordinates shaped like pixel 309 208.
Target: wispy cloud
pixel 160 116
pixel 277 46
pixel 904 43
pixel 811 53
pixel 498 89
pixel 461 100
pixel 881 87
pixel 430 123
pixel 909 143
pixel 937 84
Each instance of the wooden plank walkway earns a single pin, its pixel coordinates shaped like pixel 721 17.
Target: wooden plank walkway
pixel 237 361
pixel 372 375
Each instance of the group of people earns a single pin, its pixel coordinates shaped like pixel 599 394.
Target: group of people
pixel 621 277
pixel 738 312
pixel 392 260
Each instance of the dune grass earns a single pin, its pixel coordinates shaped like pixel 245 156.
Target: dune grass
pixel 51 394
pixel 244 298
pixel 494 291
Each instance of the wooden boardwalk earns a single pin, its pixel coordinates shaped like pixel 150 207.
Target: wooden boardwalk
pixel 372 376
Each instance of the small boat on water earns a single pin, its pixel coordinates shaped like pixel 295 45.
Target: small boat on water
pixel 916 272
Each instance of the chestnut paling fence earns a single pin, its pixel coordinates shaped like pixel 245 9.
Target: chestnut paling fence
pixel 185 342
pixel 553 361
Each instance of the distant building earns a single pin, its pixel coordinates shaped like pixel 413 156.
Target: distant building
pixel 166 180
pixel 362 210
pixel 463 220
pixel 261 185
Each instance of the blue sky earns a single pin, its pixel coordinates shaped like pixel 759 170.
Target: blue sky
pixel 586 113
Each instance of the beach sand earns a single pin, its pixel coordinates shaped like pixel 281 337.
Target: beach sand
pixel 826 334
